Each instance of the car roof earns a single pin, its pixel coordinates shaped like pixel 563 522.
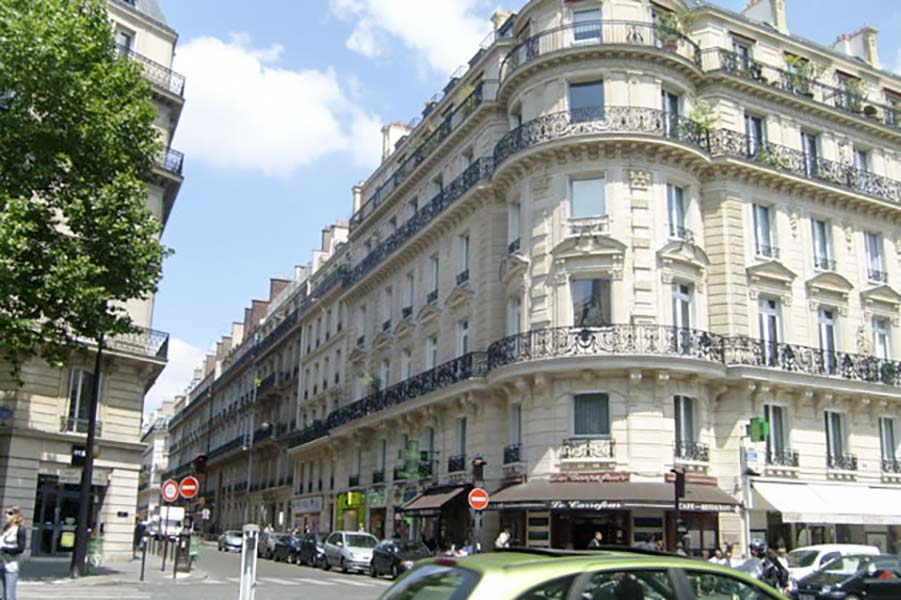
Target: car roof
pixel 856 548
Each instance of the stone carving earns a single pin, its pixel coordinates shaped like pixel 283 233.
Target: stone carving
pixel 540 184
pixel 793 218
pixel 639 179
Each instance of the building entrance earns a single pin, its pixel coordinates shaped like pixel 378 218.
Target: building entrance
pixel 56 514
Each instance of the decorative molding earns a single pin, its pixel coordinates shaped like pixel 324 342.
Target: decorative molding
pixel 639 179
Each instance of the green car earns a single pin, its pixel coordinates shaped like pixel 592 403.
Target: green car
pixel 613 574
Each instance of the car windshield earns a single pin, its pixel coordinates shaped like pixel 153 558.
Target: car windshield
pixel 838 570
pixel 408 547
pixel 801 558
pixel 359 540
pixel 434 582
pixel 235 534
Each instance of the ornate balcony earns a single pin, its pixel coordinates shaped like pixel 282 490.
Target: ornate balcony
pixel 432 297
pixel 386 326
pixel 692 451
pixel 70 425
pixel 823 263
pixel 156 73
pixel 378 476
pixel 841 462
pixel 586 35
pixel 406 312
pixel 877 276
pixel 678 232
pixel 588 449
pixel 456 464
pixel 768 251
pixel 511 454
pixel 513 247
pixel 361 341
pixel 463 278
pixel 144 342
pixel 891 465
pixel 426 467
pixel 782 458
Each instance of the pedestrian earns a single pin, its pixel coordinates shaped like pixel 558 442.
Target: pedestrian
pixel 718 558
pixel 12 544
pixel 268 528
pixel 503 539
pixel 597 541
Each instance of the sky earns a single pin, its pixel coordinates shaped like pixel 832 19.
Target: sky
pixel 284 103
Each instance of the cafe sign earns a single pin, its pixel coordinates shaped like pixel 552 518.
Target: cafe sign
pixel 312 504
pixel 598 477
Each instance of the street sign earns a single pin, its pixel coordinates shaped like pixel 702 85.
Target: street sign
pixel 189 487
pixel 478 498
pixel 170 490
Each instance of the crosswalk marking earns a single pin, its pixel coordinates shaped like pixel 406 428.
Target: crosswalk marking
pixel 314 581
pixel 381 582
pixel 278 581
pixel 234 579
pixel 351 582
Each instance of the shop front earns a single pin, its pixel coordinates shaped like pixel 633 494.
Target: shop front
pixel 375 501
pixel 441 515
pixel 350 511
pixel 795 514
pixel 57 506
pixel 567 510
pixel 305 513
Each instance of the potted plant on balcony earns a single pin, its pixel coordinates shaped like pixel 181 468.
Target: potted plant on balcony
pixel 871 112
pixel 670 27
pixel 802 72
pixel 855 92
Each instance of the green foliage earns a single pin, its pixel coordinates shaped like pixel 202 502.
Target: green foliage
pixel 76 144
pixel 703 115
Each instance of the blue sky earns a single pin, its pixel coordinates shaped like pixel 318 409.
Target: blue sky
pixel 284 99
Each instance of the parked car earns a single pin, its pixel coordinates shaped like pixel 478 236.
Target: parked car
pixel 349 550
pixel 266 547
pixel 312 550
pixel 875 577
pixel 231 540
pixel 613 573
pixel 396 557
pixel 806 560
pixel 286 548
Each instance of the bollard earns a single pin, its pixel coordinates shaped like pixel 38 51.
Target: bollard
pixel 144 557
pixel 165 549
pixel 175 558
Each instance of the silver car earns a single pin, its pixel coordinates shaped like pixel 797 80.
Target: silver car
pixel 231 540
pixel 349 550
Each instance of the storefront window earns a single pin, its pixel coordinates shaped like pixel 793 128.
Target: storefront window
pixel 591 415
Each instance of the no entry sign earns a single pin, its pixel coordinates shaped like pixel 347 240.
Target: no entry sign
pixel 170 490
pixel 189 487
pixel 478 498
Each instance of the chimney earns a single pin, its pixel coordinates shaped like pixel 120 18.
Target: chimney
pixel 771 12
pixel 861 44
pixel 276 285
pixel 391 135
pixel 358 197
pixel 327 234
pixel 237 333
pixel 300 272
pixel 499 18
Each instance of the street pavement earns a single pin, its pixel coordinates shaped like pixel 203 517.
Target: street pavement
pixel 215 577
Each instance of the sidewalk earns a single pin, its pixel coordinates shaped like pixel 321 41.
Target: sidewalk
pixel 55 570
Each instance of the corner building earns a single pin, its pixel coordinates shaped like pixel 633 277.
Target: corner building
pixel 619 236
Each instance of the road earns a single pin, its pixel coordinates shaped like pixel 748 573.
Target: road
pixel 275 581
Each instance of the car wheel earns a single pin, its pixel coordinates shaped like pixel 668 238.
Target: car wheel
pixel 343 566
pixel 394 573
pixel 372 572
pixel 326 565
pixel 321 563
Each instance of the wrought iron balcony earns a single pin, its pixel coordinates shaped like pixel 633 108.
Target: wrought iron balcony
pixel 783 80
pixel 782 458
pixel 426 467
pixel 386 326
pixel 70 425
pixel 768 251
pixel 154 72
pixel 171 160
pixel 586 35
pixel 432 297
pixel 457 463
pixel 352 481
pixel 361 341
pixel 378 476
pixel 401 473
pixel 513 247
pixel 143 342
pixel 463 277
pixel 406 312
pixel 678 232
pixel 891 465
pixel 877 275
pixel 693 451
pixel 841 462
pixel 587 448
pixel 266 384
pixel 824 263
pixel 511 454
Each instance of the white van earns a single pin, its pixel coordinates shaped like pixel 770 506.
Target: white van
pixel 806 560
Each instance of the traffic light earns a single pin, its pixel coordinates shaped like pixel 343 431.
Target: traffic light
pixel 200 464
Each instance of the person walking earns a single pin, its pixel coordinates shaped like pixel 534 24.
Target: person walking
pixel 597 541
pixel 503 539
pixel 12 544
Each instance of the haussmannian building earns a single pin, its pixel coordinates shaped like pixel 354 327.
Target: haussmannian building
pixel 625 231
pixel 43 424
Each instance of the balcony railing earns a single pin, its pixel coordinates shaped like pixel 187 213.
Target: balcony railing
pixel 587 35
pixel 721 59
pixel 768 251
pixel 70 425
pixel 457 463
pixel 678 232
pixel 353 481
pixel 266 384
pixel 824 263
pixel 361 341
pixel 462 277
pixel 891 465
pixel 782 458
pixel 378 476
pixel 401 473
pixel 145 342
pixel 511 454
pixel 171 160
pixel 432 297
pixel 386 326
pixel 588 449
pixel 426 467
pixel 406 312
pixel 877 276
pixel 841 462
pixel 693 451
pixel 156 73
pixel 513 247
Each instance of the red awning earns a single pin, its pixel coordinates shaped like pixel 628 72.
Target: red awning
pixel 429 503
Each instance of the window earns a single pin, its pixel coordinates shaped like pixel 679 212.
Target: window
pixel 383 454
pixel 431 353
pixel 684 408
pixel 328 323
pixel 836 446
pixel 810 149
pixel 715 586
pixel 587 26
pixel 887 444
pixel 555 589
pixel 587 198
pixel 428 441
pixel 882 338
pixel 385 374
pixel 775 443
pixel 462 337
pixel 461 435
pixel 591 415
pixel 357 461
pixel 676 209
pixel 763 235
pixel 434 269
pixel 669 104
pixel 513 218
pixel 743 53
pixel 81 391
pixel 875 260
pixel 586 101
pixel 822 245
pixel 412 207
pixel 861 160
pixel 591 302
pixel 406 363
pixel 515 432
pixel 754 133
pixel 514 316
pixel 361 325
pixel 464 253
pixel 408 295
pixel 387 301
pixel 634 583
pixel 124 41
pixel 769 326
pixel 827 319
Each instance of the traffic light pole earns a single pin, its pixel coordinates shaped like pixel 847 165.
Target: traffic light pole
pixel 678 492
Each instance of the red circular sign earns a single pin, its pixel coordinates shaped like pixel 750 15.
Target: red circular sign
pixel 478 498
pixel 189 487
pixel 170 490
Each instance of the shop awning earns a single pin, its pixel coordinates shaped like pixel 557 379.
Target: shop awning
pixel 543 495
pixel 429 503
pixel 824 503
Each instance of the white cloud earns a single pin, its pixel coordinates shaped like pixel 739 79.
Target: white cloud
pixel 366 130
pixel 445 32
pixel 183 359
pixel 243 110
